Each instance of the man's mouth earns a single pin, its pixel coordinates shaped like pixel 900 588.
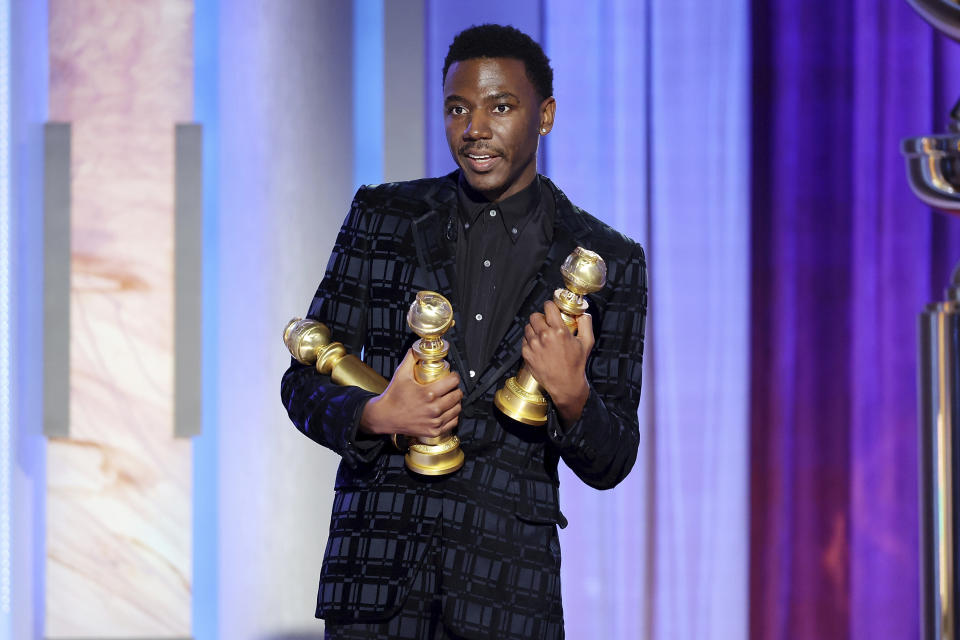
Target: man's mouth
pixel 481 162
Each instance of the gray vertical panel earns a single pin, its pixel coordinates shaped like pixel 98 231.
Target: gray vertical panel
pixel 404 147
pixel 188 282
pixel 56 280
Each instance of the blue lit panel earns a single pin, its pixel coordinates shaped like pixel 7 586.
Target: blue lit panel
pixel 206 532
pixel 368 102
pixel 6 341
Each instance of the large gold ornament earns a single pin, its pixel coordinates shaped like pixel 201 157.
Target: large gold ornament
pixel 430 316
pixel 309 343
pixel 521 398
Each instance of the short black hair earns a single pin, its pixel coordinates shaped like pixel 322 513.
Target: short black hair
pixel 498 41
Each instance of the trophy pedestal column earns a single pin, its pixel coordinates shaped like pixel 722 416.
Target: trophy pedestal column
pixel 521 399
pixel 939 388
pixel 434 456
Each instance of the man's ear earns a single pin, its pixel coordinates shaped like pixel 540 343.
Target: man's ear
pixel 548 109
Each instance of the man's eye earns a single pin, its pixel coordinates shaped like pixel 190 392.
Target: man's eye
pixel 457 110
pixel 502 108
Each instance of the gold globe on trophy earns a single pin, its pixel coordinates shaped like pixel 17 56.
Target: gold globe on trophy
pixel 521 398
pixel 309 343
pixel 430 316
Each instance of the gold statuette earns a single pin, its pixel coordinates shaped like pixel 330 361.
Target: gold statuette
pixel 584 272
pixel 309 342
pixel 430 316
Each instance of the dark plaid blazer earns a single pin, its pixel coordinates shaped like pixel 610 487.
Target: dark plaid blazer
pixel 492 526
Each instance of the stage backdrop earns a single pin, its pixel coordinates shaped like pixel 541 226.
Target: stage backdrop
pixel 752 147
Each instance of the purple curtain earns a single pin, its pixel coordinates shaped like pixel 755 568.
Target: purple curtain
pixel 843 259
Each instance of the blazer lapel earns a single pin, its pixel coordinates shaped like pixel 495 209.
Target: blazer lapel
pixel 436 253
pixel 569 230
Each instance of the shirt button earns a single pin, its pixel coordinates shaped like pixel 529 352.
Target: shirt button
pixel 493 213
pixel 479 316
pixel 466 225
pixel 472 373
pixel 514 230
pixel 486 263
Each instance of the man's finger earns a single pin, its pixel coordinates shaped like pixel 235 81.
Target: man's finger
pixel 585 328
pixel 538 322
pixel 451 414
pixel 450 399
pixel 448 427
pixel 405 370
pixel 408 361
pixel 552 314
pixel 526 351
pixel 444 385
pixel 529 333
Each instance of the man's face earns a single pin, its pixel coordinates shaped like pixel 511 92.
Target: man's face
pixel 493 119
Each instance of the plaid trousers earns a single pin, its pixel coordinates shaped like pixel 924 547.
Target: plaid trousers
pixel 498 549
pixel 420 617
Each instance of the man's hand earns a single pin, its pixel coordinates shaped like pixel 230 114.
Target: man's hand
pixel 409 408
pixel 558 359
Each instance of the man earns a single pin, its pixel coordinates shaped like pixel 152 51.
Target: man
pixel 474 554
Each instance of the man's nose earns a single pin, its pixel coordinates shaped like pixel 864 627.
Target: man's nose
pixel 478 128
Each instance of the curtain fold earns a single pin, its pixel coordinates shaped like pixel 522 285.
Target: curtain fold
pixel 597 153
pixel 652 137
pixel 844 258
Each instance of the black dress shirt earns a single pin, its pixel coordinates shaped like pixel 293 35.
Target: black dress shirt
pixel 500 248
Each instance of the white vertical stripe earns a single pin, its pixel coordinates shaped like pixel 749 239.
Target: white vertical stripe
pixel 6 337
pixel 699 302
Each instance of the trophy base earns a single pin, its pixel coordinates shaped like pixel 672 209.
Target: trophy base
pixel 514 402
pixel 435 459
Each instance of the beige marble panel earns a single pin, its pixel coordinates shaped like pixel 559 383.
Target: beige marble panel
pixel 119 488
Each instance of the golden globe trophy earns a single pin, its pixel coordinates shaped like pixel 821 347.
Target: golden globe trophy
pixel 430 316
pixel 309 343
pixel 584 272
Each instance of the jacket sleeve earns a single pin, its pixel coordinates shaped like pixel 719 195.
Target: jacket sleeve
pixel 601 447
pixel 325 412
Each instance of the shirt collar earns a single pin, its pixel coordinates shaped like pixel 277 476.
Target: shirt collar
pixel 514 212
